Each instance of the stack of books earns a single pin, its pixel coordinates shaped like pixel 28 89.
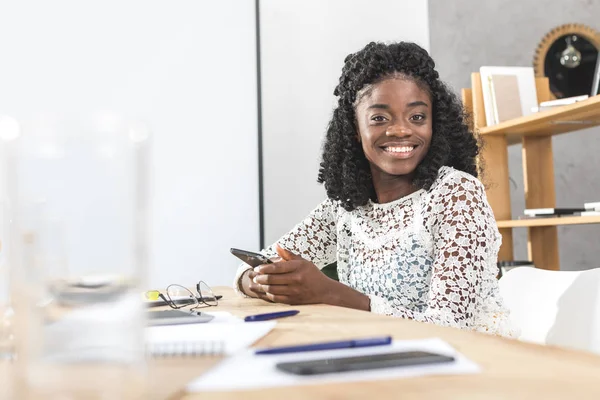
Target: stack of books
pixel 592 208
pixel 588 209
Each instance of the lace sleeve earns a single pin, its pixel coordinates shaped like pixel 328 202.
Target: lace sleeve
pixel 465 243
pixel 314 239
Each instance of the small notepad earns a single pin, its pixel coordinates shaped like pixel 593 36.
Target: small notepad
pixel 226 335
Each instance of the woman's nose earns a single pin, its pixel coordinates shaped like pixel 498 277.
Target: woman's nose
pixel 398 130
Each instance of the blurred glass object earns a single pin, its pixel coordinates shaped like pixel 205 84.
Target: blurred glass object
pixel 8 130
pixel 7 345
pixel 78 193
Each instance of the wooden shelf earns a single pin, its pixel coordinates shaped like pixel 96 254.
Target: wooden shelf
pixel 535 133
pixel 526 223
pixel 563 119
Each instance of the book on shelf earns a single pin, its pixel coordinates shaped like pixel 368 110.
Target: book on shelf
pixel 551 104
pixel 592 206
pixel 541 212
pixel 596 81
pixel 525 217
pixel 589 213
pixel 498 90
pixel 506 103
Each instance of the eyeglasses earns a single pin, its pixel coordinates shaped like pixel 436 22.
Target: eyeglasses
pixel 178 296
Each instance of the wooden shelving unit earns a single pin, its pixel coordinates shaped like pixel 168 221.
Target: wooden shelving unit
pixel 524 223
pixel 550 122
pixel 535 133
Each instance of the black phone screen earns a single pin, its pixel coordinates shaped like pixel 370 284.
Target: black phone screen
pixel 372 361
pixel 250 258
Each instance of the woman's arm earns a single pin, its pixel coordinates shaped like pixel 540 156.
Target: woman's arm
pixel 466 242
pixel 313 239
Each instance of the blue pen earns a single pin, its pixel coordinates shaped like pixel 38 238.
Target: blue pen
pixel 265 317
pixel 344 344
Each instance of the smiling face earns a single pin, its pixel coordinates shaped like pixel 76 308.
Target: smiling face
pixel 394 119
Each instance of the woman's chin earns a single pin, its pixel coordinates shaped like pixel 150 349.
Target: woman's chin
pixel 407 170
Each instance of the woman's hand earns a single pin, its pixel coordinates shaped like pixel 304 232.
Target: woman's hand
pixel 248 286
pixel 293 280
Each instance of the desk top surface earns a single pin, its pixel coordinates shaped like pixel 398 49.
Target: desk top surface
pixel 510 369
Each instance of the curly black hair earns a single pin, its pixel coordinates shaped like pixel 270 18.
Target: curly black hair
pixel 344 168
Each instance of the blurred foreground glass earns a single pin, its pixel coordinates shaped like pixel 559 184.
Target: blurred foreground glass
pixel 78 189
pixel 6 310
pixel 8 129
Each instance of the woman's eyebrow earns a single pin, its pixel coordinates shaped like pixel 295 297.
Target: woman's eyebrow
pixel 387 107
pixel 379 106
pixel 417 103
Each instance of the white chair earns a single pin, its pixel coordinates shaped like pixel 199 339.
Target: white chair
pixel 555 307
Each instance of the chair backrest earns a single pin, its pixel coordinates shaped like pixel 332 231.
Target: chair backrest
pixel 555 307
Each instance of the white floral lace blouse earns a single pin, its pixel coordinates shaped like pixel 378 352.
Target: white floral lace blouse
pixel 430 256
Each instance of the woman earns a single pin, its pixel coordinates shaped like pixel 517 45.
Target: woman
pixel 406 218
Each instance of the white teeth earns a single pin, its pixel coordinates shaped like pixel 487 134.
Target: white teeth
pixel 404 149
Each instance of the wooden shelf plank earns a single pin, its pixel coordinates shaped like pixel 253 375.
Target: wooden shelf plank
pixel 524 223
pixel 563 119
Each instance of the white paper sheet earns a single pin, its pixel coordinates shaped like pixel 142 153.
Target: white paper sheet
pixel 233 373
pixel 223 317
pixel 223 333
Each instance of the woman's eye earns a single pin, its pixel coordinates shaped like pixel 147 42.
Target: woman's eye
pixel 378 118
pixel 418 117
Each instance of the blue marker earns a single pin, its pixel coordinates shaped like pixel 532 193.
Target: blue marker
pixel 268 316
pixel 344 344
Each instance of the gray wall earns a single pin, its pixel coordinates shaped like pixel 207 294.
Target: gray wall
pixel 466 34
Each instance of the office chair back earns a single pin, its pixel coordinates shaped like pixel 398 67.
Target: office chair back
pixel 555 307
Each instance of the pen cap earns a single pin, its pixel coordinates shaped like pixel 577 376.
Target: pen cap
pixel 372 341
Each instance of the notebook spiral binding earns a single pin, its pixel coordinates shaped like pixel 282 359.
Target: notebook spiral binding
pixel 186 349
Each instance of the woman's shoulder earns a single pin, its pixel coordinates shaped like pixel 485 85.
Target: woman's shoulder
pixel 330 209
pixel 328 206
pixel 450 179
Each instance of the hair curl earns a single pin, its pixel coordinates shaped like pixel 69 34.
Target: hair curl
pixel 344 168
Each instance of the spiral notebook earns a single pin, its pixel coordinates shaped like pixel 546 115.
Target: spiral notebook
pixel 224 336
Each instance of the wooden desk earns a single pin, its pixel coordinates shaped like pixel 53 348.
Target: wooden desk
pixel 511 369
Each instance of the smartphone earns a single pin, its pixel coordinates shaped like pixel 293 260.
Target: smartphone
pixel 250 258
pixel 361 363
pixel 176 317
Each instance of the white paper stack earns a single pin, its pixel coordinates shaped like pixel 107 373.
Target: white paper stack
pixel 236 373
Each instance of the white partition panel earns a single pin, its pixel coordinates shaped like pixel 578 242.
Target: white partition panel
pixel 188 69
pixel 303 46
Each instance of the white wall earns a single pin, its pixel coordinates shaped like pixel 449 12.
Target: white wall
pixel 187 68
pixel 303 46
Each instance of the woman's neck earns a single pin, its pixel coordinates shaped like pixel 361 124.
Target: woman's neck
pixel 389 188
